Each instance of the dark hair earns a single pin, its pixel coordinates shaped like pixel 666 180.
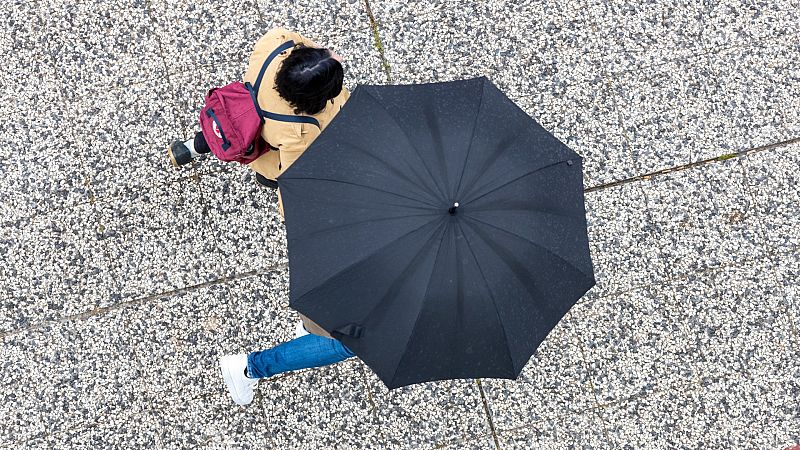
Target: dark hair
pixel 308 78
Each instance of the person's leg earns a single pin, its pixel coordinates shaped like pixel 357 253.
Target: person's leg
pixel 242 372
pixel 300 353
pixel 200 145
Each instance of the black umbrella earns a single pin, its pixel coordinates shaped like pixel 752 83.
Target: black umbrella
pixel 436 230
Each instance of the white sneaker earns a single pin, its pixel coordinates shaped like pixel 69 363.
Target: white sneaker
pixel 242 388
pixel 300 330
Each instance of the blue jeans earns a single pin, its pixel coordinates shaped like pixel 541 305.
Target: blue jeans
pixel 299 353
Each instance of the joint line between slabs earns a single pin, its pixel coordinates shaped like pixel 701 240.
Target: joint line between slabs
pixel 669 170
pixel 598 408
pixel 121 305
pixel 377 41
pixel 488 413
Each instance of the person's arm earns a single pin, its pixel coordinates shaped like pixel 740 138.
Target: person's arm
pixel 292 145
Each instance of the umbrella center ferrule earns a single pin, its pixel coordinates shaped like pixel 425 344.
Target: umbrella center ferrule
pixel 453 208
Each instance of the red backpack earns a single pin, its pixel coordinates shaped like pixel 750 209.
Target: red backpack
pixel 232 120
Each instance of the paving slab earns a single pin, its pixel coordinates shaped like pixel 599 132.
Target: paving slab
pixel 153 363
pixel 328 407
pixel 741 22
pixel 96 121
pixel 755 103
pixel 576 430
pixel 429 415
pixel 585 117
pixel 331 23
pixel 156 240
pixel 441 41
pixel 774 183
pixel 40 160
pixel 636 341
pixel 481 443
pixel 437 46
pixel 122 135
pixel 731 320
pixel 201 36
pixel 737 320
pixel 666 113
pixel 704 217
pixel 39 179
pixel 48 261
pixel 68 262
pixel 211 421
pixel 178 340
pixel 243 216
pixel 21 44
pixel 110 431
pixel 787 272
pixel 100 44
pixel 623 240
pixel 205 33
pixel 62 377
pixel 733 412
pixel 631 36
pixel 555 382
pixel 202 422
pixel 207 422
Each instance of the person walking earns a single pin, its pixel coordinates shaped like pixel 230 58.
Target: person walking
pixel 305 79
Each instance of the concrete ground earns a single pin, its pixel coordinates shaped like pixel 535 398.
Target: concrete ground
pixel 122 279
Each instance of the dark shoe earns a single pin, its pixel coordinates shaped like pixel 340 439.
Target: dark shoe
pixel 179 154
pixel 264 181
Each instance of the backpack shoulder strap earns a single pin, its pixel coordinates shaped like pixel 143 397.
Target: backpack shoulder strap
pixel 254 92
pixel 285 46
pixel 289 118
pixel 276 116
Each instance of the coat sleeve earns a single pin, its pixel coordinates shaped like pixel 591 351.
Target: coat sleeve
pixel 313 328
pixel 292 145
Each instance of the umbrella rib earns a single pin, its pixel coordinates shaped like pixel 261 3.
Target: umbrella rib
pixel 539 211
pixel 373 156
pixel 498 150
pixel 511 181
pixel 408 139
pixel 472 136
pixel 486 282
pixel 530 241
pixel 433 207
pixel 346 225
pixel 354 263
pixel 422 306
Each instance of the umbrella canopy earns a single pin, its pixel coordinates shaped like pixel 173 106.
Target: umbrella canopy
pixel 437 230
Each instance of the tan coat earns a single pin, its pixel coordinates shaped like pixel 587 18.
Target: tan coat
pixel 313 328
pixel 291 139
